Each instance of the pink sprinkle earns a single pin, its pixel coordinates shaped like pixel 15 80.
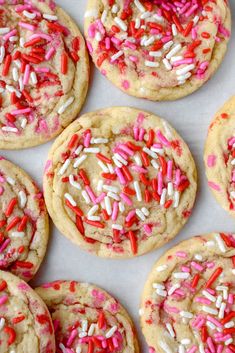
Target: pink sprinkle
pixel 139 169
pixel 181 254
pixel 104 343
pixel 185 268
pixel 210 344
pixel 126 149
pixel 50 53
pixel 100 198
pixel 214 321
pixel 202 300
pixel 41 69
pixel 177 177
pixel 115 342
pixel 27 26
pixel 10 34
pixel 136 133
pixel 4 245
pixel 220 348
pixel 193 349
pixel 41 35
pixel 160 183
pixel 211 161
pixel 26 74
pixel 72 337
pixel 230 299
pixel 21 111
pixel 107 43
pixel 120 175
pixel 126 199
pixel 87 139
pixel 201 323
pixel 3 299
pixel 214 186
pixel 197 266
pixel 210 264
pixel 125 84
pixel 90 193
pixel 141 134
pixel 115 211
pixel 148 229
pixel 130 215
pixel 162 139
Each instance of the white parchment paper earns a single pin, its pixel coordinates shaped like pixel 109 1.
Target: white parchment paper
pixel 191 117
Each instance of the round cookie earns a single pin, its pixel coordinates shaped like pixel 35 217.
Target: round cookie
pixel 24 224
pixel 219 156
pixel 119 182
pixel 44 71
pixel 159 50
pixel 188 299
pixel 25 323
pixel 87 319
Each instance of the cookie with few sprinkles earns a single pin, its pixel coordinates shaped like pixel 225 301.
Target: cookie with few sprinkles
pixel 88 319
pixel 188 300
pixel 25 322
pixel 219 156
pixel 44 70
pixel 159 50
pixel 24 225
pixel 119 182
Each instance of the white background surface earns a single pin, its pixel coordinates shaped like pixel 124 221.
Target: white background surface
pixel 191 117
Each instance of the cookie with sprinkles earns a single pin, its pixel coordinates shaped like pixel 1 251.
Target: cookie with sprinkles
pixel 88 319
pixel 44 70
pixel 161 49
pixel 23 222
pixel 188 299
pixel 25 322
pixel 119 182
pixel 219 156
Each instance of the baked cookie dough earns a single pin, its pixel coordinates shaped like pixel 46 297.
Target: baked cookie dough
pixel 159 50
pixel 44 72
pixel 119 182
pixel 87 319
pixel 25 323
pixel 219 156
pixel 23 222
pixel 188 300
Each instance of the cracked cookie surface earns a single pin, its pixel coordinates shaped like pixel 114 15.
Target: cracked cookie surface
pixel 44 70
pixel 188 299
pixel 88 319
pixel 25 321
pixel 159 50
pixel 24 224
pixel 119 182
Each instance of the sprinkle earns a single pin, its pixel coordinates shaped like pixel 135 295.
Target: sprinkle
pixel 181 275
pixel 70 199
pixel 63 108
pixel 161 268
pixel 137 190
pixel 80 160
pixel 220 243
pixel 209 310
pixel 111 332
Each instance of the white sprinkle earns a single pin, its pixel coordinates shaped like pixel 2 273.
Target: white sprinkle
pixel 117 226
pixel 163 197
pixel 62 347
pixel 30 15
pixel 161 268
pixel 161 293
pixel 137 23
pixel 229 324
pixel 80 335
pixel 209 324
pixel 120 158
pixel 114 189
pixel 185 69
pixel 210 243
pixel 156 54
pixel 93 210
pixel 9 129
pixel 4 30
pixel 167 64
pixel 23 198
pixel 15 74
pixel 137 160
pixel 218 301
pixel 22 42
pixel 121 207
pixel 221 311
pixel 103 166
pixel 91 150
pixel 80 160
pixel 2 323
pixel 233 271
pixel 157 150
pixel 181 275
pixel 110 167
pixel 116 56
pixel 201 348
pixel 50 17
pixel 84 325
pixel 209 310
pixel 110 332
pixel 149 41
pixel 170 329
pixel 185 341
pixel 104 16
pixel 181 349
pixel 86 196
pixel 186 314
pixel 173 51
pixel 184 77
pixel 174 30
pixel 74 183
pixel 91 13
pixel 114 196
pixel 170 189
pixel 78 349
pixel 176 58
pixel 220 243
pixel 70 199
pixel 121 24
pixel 33 78
pixel 198 257
pixel 91 329
pixel 17 234
pixel 98 36
pixel 176 199
pixel 63 108
pixel 10 181
pixel 173 288
pixel 64 167
pixel 100 185
pixel 140 214
pixel 165 347
pixel 168 45
pixel 114 8
pixel 228 341
pixel 145 211
pixel 78 150
pixel 117 162
pixel 151 63
pixel 209 296
pixel 144 16
pixel 141 312
pixel 99 140
pixel 108 205
pixel 158 286
pixel 154 164
pixel 150 152
pixel 137 190
pixel 94 218
pixel 158 18
pixel 195 20
pixel 139 6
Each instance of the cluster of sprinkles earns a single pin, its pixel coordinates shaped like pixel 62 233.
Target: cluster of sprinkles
pixel 160 36
pixel 17 227
pixel 92 332
pixel 135 170
pixel 212 323
pixel 28 67
pixel 230 159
